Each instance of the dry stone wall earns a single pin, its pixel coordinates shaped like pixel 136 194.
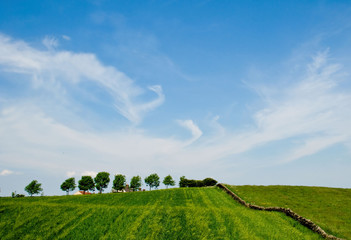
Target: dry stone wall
pixel 304 221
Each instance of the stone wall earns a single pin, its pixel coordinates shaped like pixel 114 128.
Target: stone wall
pixel 304 221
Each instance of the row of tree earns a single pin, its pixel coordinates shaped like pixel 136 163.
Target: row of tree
pixel 102 179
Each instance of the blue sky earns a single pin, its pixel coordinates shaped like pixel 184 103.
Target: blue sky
pixel 246 92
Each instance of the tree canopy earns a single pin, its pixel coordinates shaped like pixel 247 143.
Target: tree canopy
pixel 120 182
pixel 86 184
pixel 207 182
pixel 102 180
pixel 33 188
pixel 68 185
pixel 152 181
pixel 135 183
pixel 168 181
pixel 183 181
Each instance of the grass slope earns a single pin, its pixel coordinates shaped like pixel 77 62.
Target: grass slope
pixel 185 213
pixel 330 208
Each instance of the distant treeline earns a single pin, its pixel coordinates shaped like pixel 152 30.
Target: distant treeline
pixel 197 183
pixel 102 179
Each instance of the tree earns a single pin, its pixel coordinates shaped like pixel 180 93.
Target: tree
pixel 102 180
pixel 152 181
pixel 68 185
pixel 86 184
pixel 168 181
pixel 183 182
pixel 120 182
pixel 209 182
pixel 33 188
pixel 196 183
pixel 135 183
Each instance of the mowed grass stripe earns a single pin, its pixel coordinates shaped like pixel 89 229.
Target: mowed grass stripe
pixel 60 220
pixel 123 224
pixel 68 222
pixel 76 224
pixel 216 218
pixel 186 213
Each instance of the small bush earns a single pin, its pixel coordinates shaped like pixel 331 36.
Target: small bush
pixel 14 195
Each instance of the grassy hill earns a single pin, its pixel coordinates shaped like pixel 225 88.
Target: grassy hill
pixel 330 208
pixel 185 213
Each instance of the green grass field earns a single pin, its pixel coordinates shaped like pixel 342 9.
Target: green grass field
pixel 182 213
pixel 330 208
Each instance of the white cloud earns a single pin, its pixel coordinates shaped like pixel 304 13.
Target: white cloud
pixel 70 174
pixel 50 42
pixel 312 146
pixel 59 67
pixel 311 110
pixel 89 173
pixel 193 128
pixel 312 107
pixel 135 112
pixel 67 38
pixel 6 172
pixel 48 144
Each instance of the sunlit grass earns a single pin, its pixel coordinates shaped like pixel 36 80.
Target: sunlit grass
pixel 186 213
pixel 330 208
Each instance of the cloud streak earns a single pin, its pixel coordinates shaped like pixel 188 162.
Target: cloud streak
pixel 309 110
pixel 50 42
pixel 48 144
pixel 312 110
pixel 193 128
pixel 62 67
pixel 6 172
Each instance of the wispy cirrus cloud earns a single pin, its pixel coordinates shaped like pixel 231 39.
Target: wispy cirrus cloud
pixel 50 42
pixel 70 174
pixel 193 128
pixel 51 145
pixel 313 110
pixel 62 67
pixel 6 172
pixel 89 173
pixel 67 38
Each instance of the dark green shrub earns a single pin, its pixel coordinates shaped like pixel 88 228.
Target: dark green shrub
pixel 209 182
pixel 183 182
pixel 200 183
pixel 14 195
pixel 192 183
pixel 196 183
